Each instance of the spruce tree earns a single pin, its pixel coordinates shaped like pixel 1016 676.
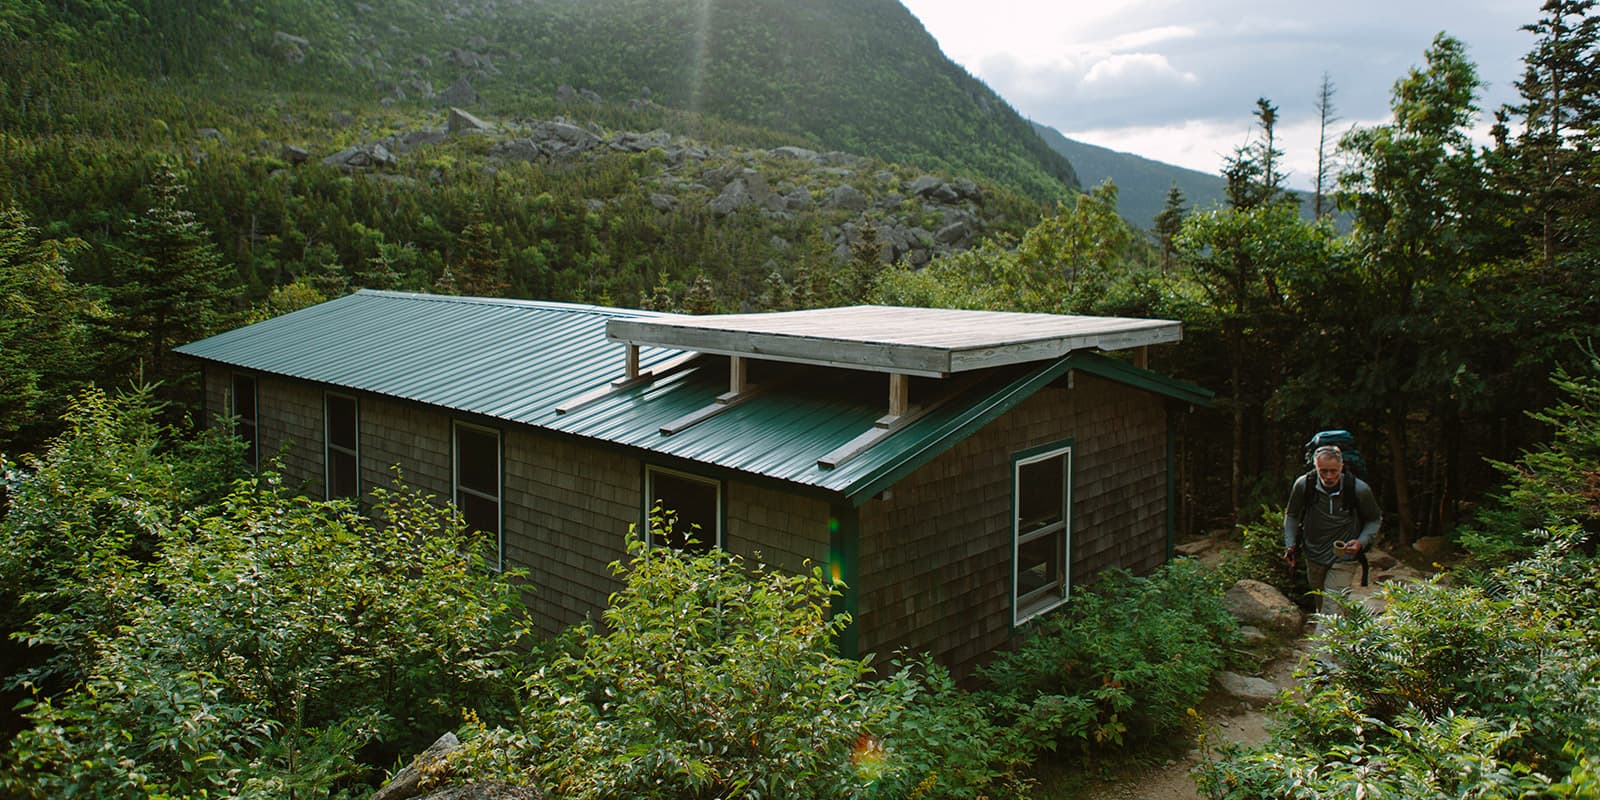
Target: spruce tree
pixel 1168 223
pixel 168 286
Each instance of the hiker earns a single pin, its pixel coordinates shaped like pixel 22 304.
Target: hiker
pixel 1332 517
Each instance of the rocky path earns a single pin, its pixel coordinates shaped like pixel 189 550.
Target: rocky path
pixel 1238 716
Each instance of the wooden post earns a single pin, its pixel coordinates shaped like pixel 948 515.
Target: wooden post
pixel 738 375
pixel 632 361
pixel 899 393
pixel 1141 357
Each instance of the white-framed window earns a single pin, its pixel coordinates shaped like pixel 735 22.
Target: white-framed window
pixel 477 481
pixel 697 501
pixel 1041 531
pixel 242 407
pixel 342 445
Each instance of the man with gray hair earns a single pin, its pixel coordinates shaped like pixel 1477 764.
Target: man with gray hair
pixel 1332 518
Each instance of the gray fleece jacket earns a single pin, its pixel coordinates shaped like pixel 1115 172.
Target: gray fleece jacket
pixel 1330 518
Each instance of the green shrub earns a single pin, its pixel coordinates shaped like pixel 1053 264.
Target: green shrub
pixel 1449 692
pixel 267 648
pixel 1260 556
pixel 711 678
pixel 1121 664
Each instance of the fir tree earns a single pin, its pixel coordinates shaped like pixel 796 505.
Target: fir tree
pixel 168 285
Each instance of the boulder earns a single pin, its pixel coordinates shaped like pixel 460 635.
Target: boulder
pixel 296 155
pixel 211 133
pixel 292 49
pixel 1431 545
pixel 405 142
pixel 1255 691
pixel 791 151
pixel 734 196
pixel 564 133
pixel 1194 548
pixel 407 783
pixel 361 156
pixel 460 93
pixel 1256 603
pixel 663 202
pixel 516 150
pixel 1251 635
pixel 847 198
pixel 630 142
pixel 463 122
pixel 955 233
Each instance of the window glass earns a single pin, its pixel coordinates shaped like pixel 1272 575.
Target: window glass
pixel 477 489
pixel 478 460
pixel 698 504
pixel 244 414
pixel 1041 532
pixel 343 460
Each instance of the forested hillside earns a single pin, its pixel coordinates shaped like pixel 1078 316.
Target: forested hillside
pixel 269 155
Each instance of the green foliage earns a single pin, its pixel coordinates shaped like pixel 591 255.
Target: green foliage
pixel 44 319
pixel 714 679
pixel 1484 690
pixel 84 517
pixel 253 645
pixel 1555 485
pixel 1076 261
pixel 1120 665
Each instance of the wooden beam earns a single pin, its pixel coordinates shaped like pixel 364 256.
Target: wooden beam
pixel 639 378
pixel 899 393
pixel 890 423
pixel 738 374
pixel 1141 357
pixel 721 404
pixel 631 366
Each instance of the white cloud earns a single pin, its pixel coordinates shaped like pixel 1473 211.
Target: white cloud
pixel 1177 80
pixel 1130 71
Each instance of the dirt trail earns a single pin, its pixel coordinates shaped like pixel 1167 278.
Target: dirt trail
pixel 1230 720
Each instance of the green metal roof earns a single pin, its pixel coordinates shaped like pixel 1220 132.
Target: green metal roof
pixel 518 360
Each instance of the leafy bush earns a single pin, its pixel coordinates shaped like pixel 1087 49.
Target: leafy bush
pixel 1123 663
pixel 1485 690
pixel 83 518
pixel 1448 693
pixel 1260 556
pixel 714 679
pixel 260 646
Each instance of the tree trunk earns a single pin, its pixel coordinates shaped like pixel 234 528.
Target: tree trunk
pixel 1238 431
pixel 1397 459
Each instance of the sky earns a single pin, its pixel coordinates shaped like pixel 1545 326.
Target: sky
pixel 1177 80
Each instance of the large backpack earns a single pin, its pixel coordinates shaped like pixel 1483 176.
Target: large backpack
pixel 1346 442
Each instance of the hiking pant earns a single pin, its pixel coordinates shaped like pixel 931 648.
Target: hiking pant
pixel 1331 579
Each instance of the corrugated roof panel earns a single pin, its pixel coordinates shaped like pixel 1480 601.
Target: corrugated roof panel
pixel 519 360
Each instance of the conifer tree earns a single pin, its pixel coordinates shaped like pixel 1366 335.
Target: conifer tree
pixel 1168 223
pixel 43 328
pixel 168 285
pixel 701 297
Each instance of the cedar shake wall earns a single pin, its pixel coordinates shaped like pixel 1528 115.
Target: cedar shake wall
pixel 568 508
pixel 935 568
pixel 786 530
pixel 567 505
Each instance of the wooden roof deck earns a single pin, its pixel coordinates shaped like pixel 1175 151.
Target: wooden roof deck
pixel 929 342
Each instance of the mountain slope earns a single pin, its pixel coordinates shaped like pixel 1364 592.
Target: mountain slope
pixel 1142 182
pixel 861 76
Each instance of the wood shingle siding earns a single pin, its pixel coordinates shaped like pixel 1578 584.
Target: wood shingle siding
pixel 936 553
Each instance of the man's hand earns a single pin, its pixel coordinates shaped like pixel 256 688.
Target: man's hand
pixel 1353 547
pixel 1288 556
